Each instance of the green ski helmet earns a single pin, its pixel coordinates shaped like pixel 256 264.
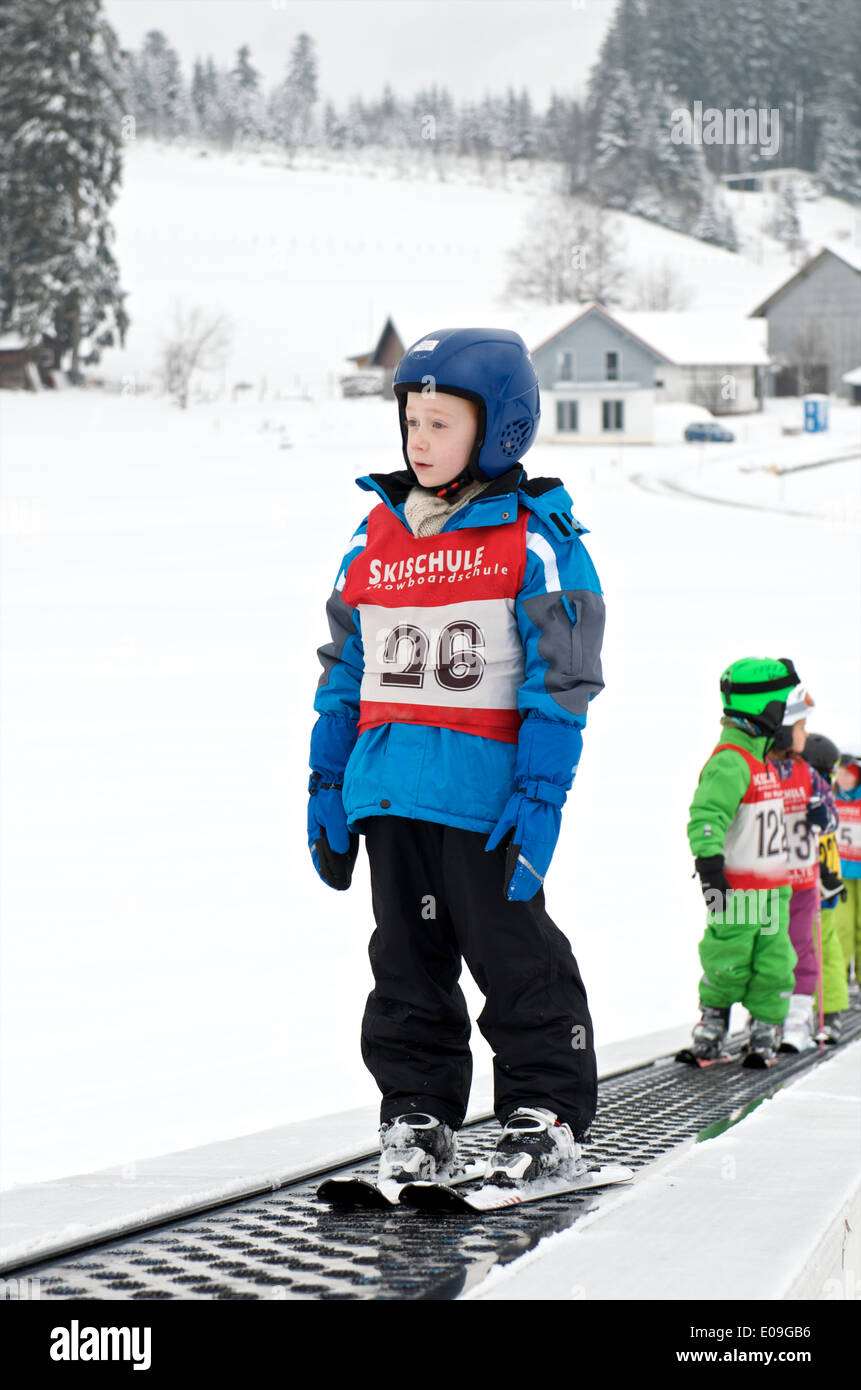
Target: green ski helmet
pixel 756 688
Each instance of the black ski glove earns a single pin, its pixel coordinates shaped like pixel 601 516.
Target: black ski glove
pixel 336 869
pixel 831 883
pixel 713 881
pixel 817 816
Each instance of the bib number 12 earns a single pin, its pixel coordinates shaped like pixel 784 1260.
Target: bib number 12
pixel 772 825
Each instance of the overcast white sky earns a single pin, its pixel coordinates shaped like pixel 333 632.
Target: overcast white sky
pixel 473 46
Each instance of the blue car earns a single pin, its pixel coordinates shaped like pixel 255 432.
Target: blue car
pixel 709 430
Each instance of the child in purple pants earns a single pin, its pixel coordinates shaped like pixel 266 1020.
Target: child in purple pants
pixel 808 812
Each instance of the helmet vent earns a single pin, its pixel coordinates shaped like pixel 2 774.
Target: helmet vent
pixel 514 436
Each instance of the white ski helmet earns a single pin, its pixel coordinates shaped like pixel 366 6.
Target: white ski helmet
pixel 798 702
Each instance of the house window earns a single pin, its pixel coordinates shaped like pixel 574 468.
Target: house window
pixel 611 366
pixel 613 415
pixel 565 366
pixel 566 417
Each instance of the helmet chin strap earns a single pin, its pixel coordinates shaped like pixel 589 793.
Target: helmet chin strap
pixel 471 473
pixel 451 488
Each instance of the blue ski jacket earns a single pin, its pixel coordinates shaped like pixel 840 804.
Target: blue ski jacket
pixel 417 759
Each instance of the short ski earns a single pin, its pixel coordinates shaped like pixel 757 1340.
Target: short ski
pixel 688 1055
pixel 758 1059
pixel 435 1196
pixel 356 1191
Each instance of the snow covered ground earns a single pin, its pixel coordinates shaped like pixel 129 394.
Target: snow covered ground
pixel 174 972
pixel 803 475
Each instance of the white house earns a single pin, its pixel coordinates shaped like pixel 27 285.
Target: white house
pixel 601 372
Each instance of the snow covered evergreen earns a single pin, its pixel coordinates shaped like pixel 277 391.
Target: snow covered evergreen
pixel 61 137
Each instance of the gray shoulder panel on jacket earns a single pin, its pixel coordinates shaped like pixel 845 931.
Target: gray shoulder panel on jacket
pixel 572 650
pixel 341 617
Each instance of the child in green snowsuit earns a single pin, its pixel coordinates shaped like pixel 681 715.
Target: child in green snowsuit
pixel 736 834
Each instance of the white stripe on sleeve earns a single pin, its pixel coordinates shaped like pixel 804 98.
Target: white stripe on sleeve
pixel 357 542
pixel 546 554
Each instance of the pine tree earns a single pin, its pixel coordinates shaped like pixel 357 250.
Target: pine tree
pixel 839 108
pixel 242 100
pixel 198 94
pixel 616 166
pixel 334 129
pixel 61 113
pixel 786 224
pixel 161 102
pixel 212 101
pixel 354 124
pixel 840 156
pixel 292 103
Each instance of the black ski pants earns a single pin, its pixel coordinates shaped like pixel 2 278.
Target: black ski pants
pixel 438 898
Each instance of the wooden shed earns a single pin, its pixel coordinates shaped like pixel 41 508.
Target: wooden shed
pixel 19 369
pixel 379 363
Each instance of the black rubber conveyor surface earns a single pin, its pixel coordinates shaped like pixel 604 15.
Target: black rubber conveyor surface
pixel 288 1245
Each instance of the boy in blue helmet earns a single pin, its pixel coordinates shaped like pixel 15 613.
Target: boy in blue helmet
pixel 466 627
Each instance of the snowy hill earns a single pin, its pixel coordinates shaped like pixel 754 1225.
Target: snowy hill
pixel 310 261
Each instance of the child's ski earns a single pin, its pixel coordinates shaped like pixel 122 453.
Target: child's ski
pixel 690 1057
pixel 758 1059
pixel 356 1191
pixel 435 1196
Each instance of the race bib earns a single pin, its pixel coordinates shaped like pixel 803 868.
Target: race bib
pixel 849 830
pixel 439 629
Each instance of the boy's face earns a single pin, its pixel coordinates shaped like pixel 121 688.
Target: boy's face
pixel 799 735
pixel 847 779
pixel 440 435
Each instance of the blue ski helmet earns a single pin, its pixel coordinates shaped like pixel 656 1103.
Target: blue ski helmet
pixel 490 366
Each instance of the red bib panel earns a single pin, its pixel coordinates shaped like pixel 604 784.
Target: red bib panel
pixel 802 842
pixel 439 631
pixel 849 830
pixel 755 854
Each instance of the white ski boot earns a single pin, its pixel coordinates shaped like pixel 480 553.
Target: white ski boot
pixel 534 1145
pixel 798 1024
pixel 416 1146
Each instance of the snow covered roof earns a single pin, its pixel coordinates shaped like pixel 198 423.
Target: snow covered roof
pixel 539 326
pixel 701 337
pixel 538 323
pixel 11 342
pixel 850 255
pixel 852 378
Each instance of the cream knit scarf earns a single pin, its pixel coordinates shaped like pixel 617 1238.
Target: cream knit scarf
pixel 427 514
